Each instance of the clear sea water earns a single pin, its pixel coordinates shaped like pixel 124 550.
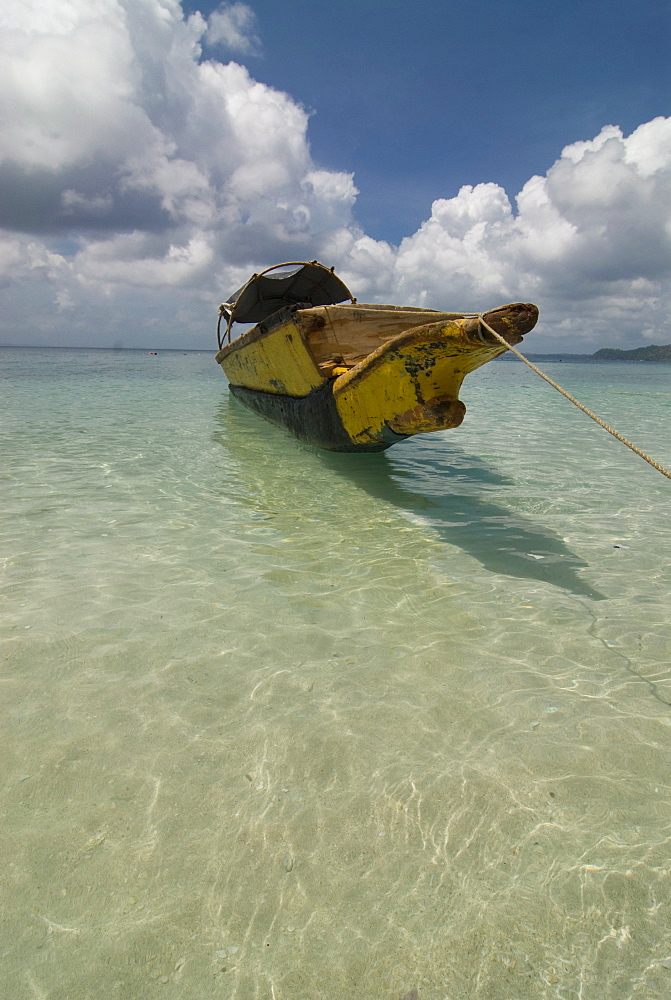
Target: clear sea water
pixel 288 725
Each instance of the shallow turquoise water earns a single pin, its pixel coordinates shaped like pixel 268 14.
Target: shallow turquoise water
pixel 300 726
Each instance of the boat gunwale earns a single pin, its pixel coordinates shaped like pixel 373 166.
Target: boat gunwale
pixel 284 315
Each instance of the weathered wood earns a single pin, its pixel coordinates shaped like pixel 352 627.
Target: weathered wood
pixel 511 322
pixel 345 335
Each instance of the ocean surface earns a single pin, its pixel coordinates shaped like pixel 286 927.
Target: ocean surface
pixel 290 725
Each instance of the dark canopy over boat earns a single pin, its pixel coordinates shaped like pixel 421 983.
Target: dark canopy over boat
pixel 265 293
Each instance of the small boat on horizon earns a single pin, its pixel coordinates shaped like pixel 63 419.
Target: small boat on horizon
pixel 347 376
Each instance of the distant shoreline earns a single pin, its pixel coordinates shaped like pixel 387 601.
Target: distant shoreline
pixel 115 350
pixel 650 354
pixel 610 355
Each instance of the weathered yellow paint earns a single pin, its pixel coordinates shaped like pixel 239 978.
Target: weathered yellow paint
pixel 411 384
pixel 277 361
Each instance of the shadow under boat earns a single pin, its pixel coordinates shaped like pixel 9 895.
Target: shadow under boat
pixel 464 515
pixel 444 487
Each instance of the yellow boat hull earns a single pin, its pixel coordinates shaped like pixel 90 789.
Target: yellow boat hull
pixel 407 385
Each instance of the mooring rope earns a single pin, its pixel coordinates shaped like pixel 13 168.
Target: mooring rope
pixel 598 420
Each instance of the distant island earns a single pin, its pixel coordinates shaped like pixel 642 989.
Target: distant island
pixel 654 352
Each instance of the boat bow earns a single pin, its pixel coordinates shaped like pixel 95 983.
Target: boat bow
pixel 410 385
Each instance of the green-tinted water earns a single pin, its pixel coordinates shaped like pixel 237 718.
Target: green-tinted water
pixel 289 725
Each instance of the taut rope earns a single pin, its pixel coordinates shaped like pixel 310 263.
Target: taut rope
pixel 601 423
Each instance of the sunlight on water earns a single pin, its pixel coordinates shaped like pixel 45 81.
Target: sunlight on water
pixel 293 725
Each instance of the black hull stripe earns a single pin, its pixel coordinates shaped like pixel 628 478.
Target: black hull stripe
pixel 312 418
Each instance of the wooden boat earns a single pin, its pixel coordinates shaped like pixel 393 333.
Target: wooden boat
pixel 346 376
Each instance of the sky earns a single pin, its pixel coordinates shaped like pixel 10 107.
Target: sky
pixel 451 155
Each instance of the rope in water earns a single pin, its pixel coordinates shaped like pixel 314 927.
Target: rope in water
pixel 601 423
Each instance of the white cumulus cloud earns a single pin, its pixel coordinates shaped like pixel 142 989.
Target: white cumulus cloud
pixel 141 181
pixel 233 26
pixel 590 242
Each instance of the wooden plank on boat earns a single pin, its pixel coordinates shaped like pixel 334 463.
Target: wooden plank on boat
pixel 347 334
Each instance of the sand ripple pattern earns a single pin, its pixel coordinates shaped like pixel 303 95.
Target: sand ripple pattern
pixel 295 726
